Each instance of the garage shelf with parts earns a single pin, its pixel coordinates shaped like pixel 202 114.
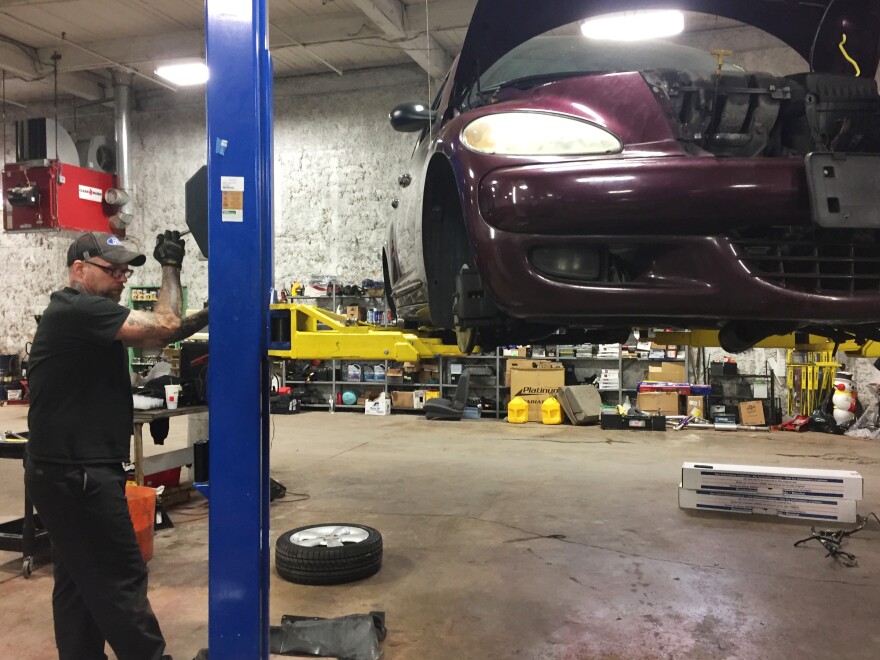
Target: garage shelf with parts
pixel 141 360
pixel 327 363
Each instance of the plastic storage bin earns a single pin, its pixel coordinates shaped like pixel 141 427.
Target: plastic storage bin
pixel 142 507
pixel 470 412
pixel 517 411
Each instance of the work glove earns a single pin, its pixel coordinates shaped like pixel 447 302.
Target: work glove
pixel 170 249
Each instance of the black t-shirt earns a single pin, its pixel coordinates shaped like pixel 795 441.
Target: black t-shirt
pixel 80 391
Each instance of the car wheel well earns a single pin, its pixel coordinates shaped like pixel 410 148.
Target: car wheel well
pixel 386 276
pixel 445 246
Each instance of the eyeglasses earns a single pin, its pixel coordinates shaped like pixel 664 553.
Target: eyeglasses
pixel 112 272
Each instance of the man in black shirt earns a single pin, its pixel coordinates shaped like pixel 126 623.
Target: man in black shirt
pixel 80 425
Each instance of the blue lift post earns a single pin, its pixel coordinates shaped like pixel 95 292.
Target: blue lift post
pixel 239 119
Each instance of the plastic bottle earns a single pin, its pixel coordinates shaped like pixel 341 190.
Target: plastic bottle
pixel 517 411
pixel 551 411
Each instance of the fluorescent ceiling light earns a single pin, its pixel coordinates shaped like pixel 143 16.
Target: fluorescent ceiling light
pixel 634 25
pixel 189 73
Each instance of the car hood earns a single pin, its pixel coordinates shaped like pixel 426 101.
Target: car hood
pixel 813 28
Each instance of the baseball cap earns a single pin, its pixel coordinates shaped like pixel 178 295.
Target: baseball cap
pixel 106 246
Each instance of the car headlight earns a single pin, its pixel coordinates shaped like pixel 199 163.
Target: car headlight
pixel 537 134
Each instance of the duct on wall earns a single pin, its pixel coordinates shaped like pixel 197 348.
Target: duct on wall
pixel 43 139
pixel 122 95
pixel 99 153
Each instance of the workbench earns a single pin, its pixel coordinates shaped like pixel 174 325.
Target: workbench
pixel 165 460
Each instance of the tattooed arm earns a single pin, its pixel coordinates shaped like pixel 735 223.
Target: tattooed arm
pixel 165 324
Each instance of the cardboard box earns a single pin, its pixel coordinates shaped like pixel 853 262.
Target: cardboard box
pixel 667 403
pixel 751 412
pixel 693 402
pixel 536 384
pixel 667 372
pixel 402 399
pixel 794 482
pixel 812 508
pixel 517 363
pixel 394 375
pixel 380 406
pixel 414 399
pixel 429 373
pixel 356 312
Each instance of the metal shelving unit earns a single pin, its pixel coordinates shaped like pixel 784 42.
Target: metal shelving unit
pixel 141 360
pixel 446 384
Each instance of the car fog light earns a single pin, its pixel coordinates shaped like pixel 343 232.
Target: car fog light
pixel 567 263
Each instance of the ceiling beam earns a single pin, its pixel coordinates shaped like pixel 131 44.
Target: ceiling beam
pixel 129 51
pixel 388 16
pixel 311 31
pixel 16 62
pixel 428 54
pixel 4 4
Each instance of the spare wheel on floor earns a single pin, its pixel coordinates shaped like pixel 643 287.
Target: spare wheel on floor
pixel 328 553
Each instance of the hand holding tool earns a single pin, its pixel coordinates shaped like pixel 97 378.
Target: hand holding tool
pixel 170 249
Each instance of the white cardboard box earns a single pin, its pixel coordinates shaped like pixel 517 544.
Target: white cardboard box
pixel 380 406
pixel 795 482
pixel 811 508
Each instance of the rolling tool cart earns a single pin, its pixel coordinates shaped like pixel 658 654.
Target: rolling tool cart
pixel 27 534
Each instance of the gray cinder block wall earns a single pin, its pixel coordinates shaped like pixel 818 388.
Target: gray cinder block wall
pixel 336 166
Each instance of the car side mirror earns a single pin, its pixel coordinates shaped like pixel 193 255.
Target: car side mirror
pixel 410 117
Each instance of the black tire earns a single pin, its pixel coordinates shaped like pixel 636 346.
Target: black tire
pixel 320 564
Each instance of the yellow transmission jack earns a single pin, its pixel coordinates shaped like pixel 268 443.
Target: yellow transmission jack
pixel 306 332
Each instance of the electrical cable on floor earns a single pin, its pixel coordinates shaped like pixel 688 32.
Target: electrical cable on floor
pixel 832 539
pixel 287 499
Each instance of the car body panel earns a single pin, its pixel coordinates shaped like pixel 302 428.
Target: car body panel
pixel 702 234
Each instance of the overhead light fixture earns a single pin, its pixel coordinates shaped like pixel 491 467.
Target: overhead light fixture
pixel 184 73
pixel 634 25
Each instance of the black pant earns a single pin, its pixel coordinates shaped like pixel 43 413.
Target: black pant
pixel 100 576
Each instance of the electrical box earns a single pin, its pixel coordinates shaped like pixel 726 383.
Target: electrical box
pixel 50 195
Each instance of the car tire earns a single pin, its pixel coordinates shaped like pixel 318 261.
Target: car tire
pixel 328 553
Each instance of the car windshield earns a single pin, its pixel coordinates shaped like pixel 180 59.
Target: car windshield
pixel 547 58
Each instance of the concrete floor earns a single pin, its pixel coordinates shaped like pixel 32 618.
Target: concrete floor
pixel 523 541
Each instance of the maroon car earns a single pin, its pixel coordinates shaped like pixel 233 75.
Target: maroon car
pixel 563 184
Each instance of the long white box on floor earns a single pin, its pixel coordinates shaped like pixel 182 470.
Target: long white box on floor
pixel 812 508
pixel 795 482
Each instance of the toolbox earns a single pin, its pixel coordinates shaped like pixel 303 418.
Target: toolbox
pixel 613 420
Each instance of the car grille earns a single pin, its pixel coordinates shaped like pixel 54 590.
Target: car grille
pixel 814 261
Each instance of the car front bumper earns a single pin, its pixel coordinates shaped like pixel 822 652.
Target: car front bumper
pixel 678 212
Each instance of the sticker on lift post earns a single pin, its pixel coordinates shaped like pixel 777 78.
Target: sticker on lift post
pixel 232 189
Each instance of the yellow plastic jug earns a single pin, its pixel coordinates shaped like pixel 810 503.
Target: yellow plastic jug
pixel 517 411
pixel 551 411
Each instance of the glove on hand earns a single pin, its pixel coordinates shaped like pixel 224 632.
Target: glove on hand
pixel 170 249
